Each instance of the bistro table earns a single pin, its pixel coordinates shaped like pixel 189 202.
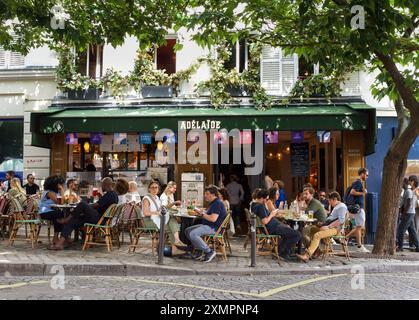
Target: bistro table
pixel 301 221
pixel 186 221
pixel 66 209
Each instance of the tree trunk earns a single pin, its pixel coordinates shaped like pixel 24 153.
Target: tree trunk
pixel 394 169
pixel 395 164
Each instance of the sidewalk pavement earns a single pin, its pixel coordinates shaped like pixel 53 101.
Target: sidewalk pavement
pixel 20 259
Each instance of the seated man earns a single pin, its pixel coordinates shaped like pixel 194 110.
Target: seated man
pixel 289 236
pixel 85 213
pixel 211 221
pixel 318 211
pixel 330 228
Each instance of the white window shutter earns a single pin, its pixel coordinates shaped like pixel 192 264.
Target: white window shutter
pixel 351 87
pixel 270 73
pixel 289 65
pixel 16 60
pixel 2 58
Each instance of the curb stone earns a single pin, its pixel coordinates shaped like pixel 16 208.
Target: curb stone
pixel 138 269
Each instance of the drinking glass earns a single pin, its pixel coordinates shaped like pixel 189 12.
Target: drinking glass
pixel 311 214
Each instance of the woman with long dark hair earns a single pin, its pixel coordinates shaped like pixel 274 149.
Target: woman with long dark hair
pixel 53 193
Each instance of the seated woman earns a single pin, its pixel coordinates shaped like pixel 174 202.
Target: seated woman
pixel 279 203
pixel 16 191
pixel 121 188
pixel 330 228
pixel 289 236
pixel 133 195
pixel 85 213
pixel 53 193
pixel 151 211
pixel 223 196
pixel 273 197
pixel 167 198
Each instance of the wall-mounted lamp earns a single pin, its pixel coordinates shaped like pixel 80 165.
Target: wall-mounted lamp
pixel 86 147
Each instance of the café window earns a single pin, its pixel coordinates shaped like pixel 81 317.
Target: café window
pixel 239 56
pixel 166 57
pixel 90 61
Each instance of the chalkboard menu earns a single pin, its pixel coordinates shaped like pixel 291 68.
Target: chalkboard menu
pixel 300 159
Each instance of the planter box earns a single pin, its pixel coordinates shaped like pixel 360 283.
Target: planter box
pixel 237 92
pixel 157 91
pixel 84 94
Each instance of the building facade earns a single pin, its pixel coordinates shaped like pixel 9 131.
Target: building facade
pixel 320 143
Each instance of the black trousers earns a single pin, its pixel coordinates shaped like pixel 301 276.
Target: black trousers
pixel 53 216
pixel 83 213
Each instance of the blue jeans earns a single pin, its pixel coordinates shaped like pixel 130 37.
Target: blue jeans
pixel 407 222
pixel 289 236
pixel 235 213
pixel 195 234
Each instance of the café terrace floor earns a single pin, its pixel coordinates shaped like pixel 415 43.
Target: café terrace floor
pixel 21 259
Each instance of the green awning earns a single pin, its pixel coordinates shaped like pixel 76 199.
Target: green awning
pixel 350 116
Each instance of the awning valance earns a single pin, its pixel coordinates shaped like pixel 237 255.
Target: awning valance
pixel 350 116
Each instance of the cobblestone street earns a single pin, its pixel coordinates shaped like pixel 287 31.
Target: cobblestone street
pixel 341 286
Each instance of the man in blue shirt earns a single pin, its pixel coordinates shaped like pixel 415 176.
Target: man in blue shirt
pixel 358 193
pixel 289 236
pixel 211 221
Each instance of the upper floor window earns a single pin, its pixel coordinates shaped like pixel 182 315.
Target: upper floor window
pixel 10 59
pixel 90 61
pixel 239 56
pixel 165 57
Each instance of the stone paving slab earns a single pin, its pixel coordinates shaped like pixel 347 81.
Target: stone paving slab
pixel 20 259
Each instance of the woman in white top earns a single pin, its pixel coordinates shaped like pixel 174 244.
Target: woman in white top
pixel 151 211
pixel 167 198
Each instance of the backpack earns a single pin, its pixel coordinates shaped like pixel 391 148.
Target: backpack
pixel 348 199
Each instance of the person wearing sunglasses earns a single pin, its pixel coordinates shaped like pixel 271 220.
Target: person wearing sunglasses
pixel 31 187
pixel 324 201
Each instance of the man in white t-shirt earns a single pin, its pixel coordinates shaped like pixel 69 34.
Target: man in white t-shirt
pixel 331 227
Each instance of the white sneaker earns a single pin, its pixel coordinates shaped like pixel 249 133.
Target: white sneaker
pixel 362 249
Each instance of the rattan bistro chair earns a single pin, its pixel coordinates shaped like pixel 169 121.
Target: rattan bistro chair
pixel 218 240
pixel 341 238
pixel 141 230
pixel 95 232
pixel 27 218
pixel 266 244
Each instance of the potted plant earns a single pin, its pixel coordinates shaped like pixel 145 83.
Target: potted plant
pixel 225 84
pixel 76 85
pixel 155 83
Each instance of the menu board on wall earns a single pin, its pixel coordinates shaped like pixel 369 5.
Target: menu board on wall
pixel 300 159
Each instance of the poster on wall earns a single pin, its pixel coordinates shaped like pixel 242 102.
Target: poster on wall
pixel 297 136
pixel 300 159
pixel 120 138
pixel 145 138
pixel 96 138
pixel 71 138
pixel 246 137
pixel 324 136
pixel 271 137
pixel 221 137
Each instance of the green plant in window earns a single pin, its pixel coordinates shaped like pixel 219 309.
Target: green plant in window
pixel 67 76
pixel 145 72
pixel 222 79
pixel 116 82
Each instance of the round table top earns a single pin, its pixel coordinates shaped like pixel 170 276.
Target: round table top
pixel 64 206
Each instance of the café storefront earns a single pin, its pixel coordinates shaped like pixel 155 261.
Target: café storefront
pixel 323 144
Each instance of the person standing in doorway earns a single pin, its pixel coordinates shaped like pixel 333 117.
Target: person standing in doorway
pixel 236 196
pixel 90 166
